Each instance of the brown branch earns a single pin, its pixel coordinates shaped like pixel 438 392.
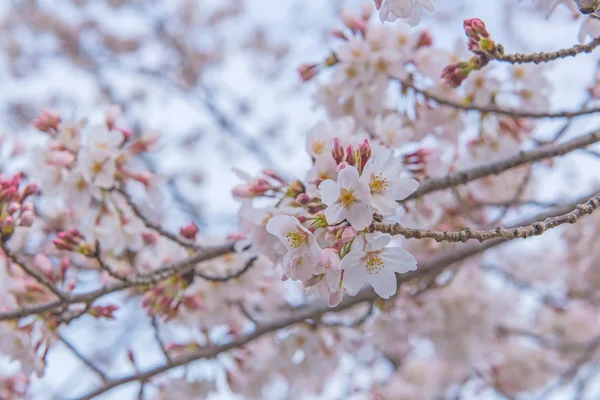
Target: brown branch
pixel 229 277
pixel 31 272
pixel 105 267
pixel 156 227
pixel 522 232
pixel 497 110
pixel 523 158
pixel 542 57
pixel 296 316
pixel 151 277
pixel 158 339
pixel 82 358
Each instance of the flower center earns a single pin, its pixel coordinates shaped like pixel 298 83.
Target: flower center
pixel 295 239
pixel 347 198
pixel 374 264
pixel 319 146
pixel 378 184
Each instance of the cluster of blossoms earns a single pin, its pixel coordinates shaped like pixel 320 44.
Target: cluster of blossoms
pixel 459 332
pixel 323 222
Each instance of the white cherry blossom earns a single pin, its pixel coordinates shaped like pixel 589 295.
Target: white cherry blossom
pixel 378 265
pixel 382 175
pixel 347 199
pixel 407 10
pixel 303 251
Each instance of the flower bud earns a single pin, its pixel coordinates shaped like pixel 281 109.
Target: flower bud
pixel 338 151
pixel 189 231
pixel 47 120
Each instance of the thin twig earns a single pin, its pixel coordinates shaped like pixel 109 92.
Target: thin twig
pixel 82 358
pixel 155 227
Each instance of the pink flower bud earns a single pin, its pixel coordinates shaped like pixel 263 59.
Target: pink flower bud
pixel 64 267
pixel 189 231
pixel 273 174
pixel 425 40
pixel 378 4
pixel 302 219
pixel 42 263
pixel 131 356
pixel 350 159
pixel 61 159
pixel 349 234
pixel 13 207
pixel 303 199
pixel 338 151
pixel 29 190
pixel 366 10
pixel 150 238
pixel 47 120
pixel 307 71
pixel 455 74
pixel 70 285
pixel 338 33
pixel 27 218
pixel 365 153
pixel 354 23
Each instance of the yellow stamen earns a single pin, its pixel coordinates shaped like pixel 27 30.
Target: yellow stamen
pixel 378 184
pixel 347 198
pixel 374 264
pixel 295 239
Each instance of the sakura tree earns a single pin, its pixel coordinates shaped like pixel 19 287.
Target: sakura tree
pixel 400 261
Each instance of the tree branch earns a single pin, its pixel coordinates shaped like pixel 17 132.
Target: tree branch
pixel 523 158
pixel 535 229
pixel 542 57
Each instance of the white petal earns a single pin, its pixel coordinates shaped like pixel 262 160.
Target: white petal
pixel 352 259
pixel 359 215
pixel 335 298
pixel 399 260
pixel 330 192
pixel 348 177
pixel 333 279
pixel 384 283
pixel 334 214
pixel 378 243
pixel 404 187
pixel 281 225
pixel 427 4
pixel 355 278
pixel 385 205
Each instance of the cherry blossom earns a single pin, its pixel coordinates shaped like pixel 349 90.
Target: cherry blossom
pixel 407 10
pixel 303 251
pixel 382 175
pixel 378 265
pixel 347 199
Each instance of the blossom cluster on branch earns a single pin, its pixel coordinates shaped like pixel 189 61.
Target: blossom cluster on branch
pixel 390 268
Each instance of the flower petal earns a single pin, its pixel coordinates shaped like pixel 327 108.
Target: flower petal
pixel 359 215
pixel 399 260
pixel 378 242
pixel 330 192
pixel 334 214
pixel 355 278
pixel 384 283
pixel 348 177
